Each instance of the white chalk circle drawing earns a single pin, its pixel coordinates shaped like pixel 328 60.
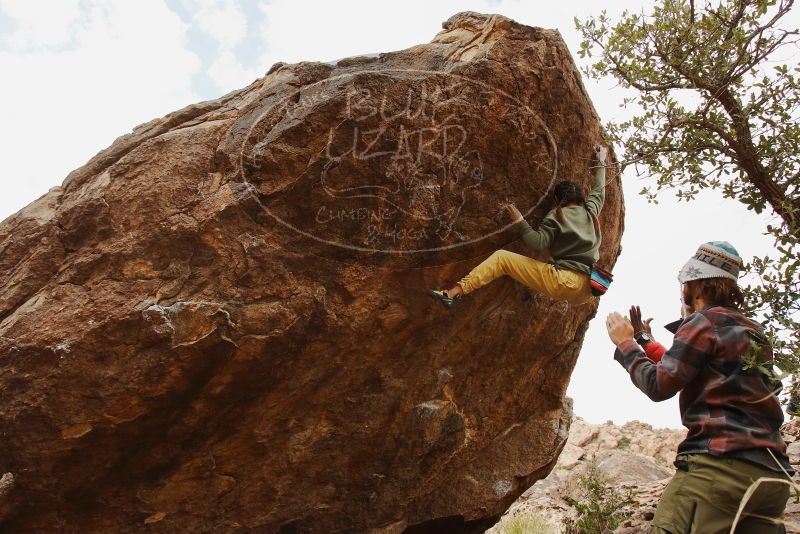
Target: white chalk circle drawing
pixel 397 169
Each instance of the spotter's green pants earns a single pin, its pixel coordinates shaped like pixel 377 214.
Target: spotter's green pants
pixel 704 498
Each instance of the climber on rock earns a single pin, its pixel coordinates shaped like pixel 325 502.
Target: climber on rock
pixel 731 409
pixel 570 232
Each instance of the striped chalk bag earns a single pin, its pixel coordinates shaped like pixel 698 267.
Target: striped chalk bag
pixel 600 280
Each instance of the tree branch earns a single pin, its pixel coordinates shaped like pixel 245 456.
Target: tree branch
pixel 752 165
pixel 625 75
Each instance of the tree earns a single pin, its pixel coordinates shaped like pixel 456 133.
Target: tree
pixel 716 110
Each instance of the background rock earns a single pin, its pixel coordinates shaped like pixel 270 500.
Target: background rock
pixel 647 495
pixel 635 457
pixel 640 462
pixel 219 322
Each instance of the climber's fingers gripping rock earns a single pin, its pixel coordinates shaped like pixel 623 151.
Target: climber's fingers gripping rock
pixel 514 213
pixel 601 152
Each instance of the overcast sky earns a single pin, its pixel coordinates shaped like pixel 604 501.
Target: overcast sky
pixel 79 73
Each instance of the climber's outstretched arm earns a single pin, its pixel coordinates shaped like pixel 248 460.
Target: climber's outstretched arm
pixel 596 198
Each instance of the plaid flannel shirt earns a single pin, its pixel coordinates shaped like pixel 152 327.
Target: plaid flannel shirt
pixel 729 411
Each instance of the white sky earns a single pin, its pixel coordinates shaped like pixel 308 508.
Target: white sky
pixel 79 73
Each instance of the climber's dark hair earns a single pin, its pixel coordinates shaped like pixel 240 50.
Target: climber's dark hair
pixel 568 192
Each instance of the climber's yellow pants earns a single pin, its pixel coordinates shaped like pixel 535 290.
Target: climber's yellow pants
pixel 562 284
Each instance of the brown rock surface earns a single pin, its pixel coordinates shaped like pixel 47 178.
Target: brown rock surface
pixel 218 323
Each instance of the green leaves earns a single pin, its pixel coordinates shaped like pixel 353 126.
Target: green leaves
pixel 601 506
pixel 714 111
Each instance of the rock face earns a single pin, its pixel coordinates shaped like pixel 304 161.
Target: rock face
pixel 219 324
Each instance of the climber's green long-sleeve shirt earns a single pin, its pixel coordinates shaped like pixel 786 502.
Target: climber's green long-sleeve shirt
pixel 573 243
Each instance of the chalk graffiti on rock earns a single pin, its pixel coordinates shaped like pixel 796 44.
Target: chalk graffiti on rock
pixel 426 155
pixel 327 214
pixel 392 161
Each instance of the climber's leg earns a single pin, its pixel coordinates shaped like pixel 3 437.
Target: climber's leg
pixel 576 287
pixel 455 291
pixel 528 271
pixel 541 277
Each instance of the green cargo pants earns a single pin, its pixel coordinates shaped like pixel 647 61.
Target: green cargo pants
pixel 704 498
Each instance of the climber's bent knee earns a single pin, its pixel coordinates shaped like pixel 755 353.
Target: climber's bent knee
pixel 494 266
pixel 502 259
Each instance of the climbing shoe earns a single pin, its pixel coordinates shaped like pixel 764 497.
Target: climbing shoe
pixel 441 296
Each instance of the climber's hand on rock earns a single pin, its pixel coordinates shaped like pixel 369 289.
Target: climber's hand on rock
pixel 512 210
pixel 638 324
pixel 601 152
pixel 619 328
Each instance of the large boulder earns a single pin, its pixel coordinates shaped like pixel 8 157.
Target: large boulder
pixel 218 324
